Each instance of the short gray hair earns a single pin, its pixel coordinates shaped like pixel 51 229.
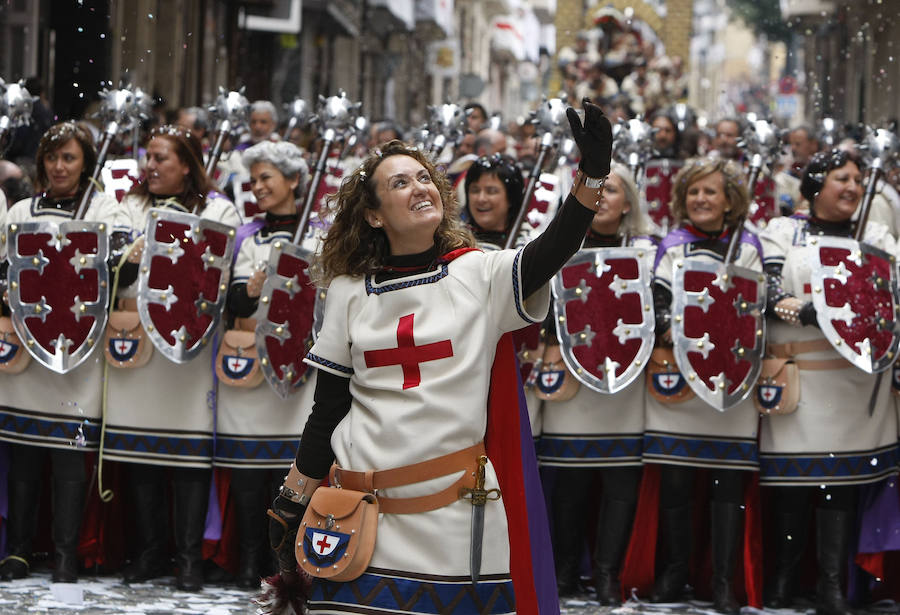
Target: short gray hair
pixel 283 155
pixel 267 106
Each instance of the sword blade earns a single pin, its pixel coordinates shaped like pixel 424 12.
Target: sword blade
pixel 475 546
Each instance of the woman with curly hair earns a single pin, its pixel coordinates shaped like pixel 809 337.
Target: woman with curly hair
pixel 411 327
pixel 708 198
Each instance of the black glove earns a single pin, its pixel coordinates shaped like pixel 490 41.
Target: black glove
pixel 284 520
pixel 808 315
pixel 594 139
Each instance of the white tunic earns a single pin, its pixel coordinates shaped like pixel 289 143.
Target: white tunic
pixel 692 432
pixel 418 351
pixel 255 427
pixel 40 406
pixel 831 438
pixel 594 429
pixel 163 413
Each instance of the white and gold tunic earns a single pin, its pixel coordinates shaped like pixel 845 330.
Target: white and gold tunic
pixel 162 413
pixel 831 438
pixel 38 405
pixel 418 351
pixel 692 432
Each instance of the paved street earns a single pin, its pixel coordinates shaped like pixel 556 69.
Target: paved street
pixel 109 596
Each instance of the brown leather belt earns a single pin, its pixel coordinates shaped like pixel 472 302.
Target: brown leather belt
pixel 373 480
pixel 792 349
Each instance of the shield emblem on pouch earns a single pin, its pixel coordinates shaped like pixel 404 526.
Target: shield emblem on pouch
pixel 59 289
pixel 122 349
pixel 769 395
pixel 236 367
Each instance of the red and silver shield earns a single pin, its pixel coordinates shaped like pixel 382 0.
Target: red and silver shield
pixel 763 208
pixel 854 291
pixel 286 317
pixel 657 186
pixel 718 329
pixel 527 344
pixel 604 316
pixel 183 281
pixel 119 176
pixel 59 289
pixel 543 205
pixel 244 200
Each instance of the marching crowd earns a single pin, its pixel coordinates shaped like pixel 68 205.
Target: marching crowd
pixel 647 485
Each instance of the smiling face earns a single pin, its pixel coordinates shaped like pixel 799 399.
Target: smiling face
pixel 706 203
pixel 840 194
pixel 63 167
pixel 273 191
pixel 613 206
pixel 165 170
pixel 488 203
pixel 410 207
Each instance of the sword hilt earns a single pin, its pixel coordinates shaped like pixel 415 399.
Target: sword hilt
pixel 479 496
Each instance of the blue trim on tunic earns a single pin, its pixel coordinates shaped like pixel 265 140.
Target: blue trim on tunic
pixel 401 592
pixel 371 289
pixel 515 275
pixel 137 444
pixel 24 427
pixel 855 466
pixel 587 450
pixel 701 451
pixel 256 449
pixel 326 363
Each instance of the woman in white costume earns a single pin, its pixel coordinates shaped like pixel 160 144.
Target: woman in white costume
pixel 412 320
pixel 46 414
pixel 843 432
pixel 593 433
pixel 160 416
pixel 257 432
pixel 708 197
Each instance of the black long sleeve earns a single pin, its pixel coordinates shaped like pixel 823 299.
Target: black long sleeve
pixel 547 253
pixel 662 307
pixel 239 303
pixel 331 405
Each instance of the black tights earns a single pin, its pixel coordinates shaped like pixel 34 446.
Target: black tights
pixel 26 463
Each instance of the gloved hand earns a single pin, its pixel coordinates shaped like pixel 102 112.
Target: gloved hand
pixel 808 315
pixel 594 139
pixel 284 520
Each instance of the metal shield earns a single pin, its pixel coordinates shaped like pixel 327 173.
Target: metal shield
pixel 854 291
pixel 763 207
pixel 718 329
pixel 59 289
pixel 527 344
pixel 604 316
pixel 244 200
pixel 119 176
pixel 657 187
pixel 286 317
pixel 183 281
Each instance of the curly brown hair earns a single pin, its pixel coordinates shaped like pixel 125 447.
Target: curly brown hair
pixel 57 136
pixel 352 246
pixel 735 185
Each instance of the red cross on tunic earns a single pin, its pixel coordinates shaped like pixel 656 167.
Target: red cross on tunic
pixel 407 354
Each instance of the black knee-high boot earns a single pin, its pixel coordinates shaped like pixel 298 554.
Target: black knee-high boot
pixel 569 504
pixel 21 528
pixel 613 532
pixel 789 524
pixel 676 488
pixel 726 521
pixel 249 490
pixel 832 541
pixel 191 497
pixel 68 506
pixel 151 510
